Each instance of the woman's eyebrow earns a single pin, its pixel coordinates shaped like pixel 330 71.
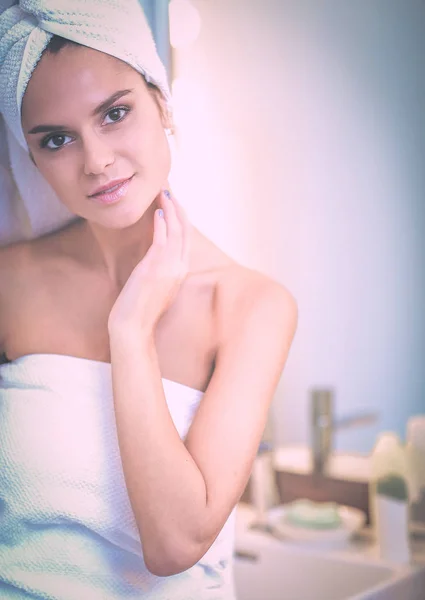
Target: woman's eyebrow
pixel 103 106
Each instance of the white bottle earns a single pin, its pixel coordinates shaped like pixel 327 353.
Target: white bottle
pixel 258 487
pixel 415 449
pixel 389 498
pixel 263 489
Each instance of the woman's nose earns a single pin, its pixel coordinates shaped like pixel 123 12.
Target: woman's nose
pixel 97 155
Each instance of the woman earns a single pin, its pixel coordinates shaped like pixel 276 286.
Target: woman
pixel 191 343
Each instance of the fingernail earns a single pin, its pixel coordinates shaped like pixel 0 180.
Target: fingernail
pixel 167 193
pixel 160 213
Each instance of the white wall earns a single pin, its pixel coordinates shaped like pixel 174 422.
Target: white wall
pixel 301 141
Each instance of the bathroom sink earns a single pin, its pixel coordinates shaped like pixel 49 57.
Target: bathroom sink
pixel 269 569
pixel 282 573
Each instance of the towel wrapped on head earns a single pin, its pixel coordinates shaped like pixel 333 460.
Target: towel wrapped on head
pixel 118 28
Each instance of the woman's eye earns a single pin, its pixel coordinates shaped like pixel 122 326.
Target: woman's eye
pixel 117 113
pixel 58 141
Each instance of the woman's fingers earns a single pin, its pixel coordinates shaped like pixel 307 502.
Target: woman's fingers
pixel 174 228
pixel 159 229
pixel 178 231
pixel 186 231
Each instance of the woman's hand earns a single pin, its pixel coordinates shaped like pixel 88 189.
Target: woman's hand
pixel 155 280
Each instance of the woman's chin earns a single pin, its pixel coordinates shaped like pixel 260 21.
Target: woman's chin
pixel 125 215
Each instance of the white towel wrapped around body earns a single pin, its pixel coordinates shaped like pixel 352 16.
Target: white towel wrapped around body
pixel 67 530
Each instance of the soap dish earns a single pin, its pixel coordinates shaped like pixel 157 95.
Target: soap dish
pixel 351 521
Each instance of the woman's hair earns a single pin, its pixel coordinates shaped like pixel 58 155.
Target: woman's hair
pixel 57 43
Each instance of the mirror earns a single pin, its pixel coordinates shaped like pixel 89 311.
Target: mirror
pixel 307 121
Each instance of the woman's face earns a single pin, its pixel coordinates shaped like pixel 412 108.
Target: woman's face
pixel 80 143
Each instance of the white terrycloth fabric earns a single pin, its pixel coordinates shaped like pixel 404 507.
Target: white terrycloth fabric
pixel 28 205
pixel 67 530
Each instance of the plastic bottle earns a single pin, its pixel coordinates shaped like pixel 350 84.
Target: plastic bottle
pixel 264 494
pixel 389 498
pixel 415 450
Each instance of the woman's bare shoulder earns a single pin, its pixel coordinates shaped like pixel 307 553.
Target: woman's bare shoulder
pixel 17 264
pixel 239 281
pixel 13 259
pixel 25 269
pixel 29 257
pixel 237 284
pixel 241 289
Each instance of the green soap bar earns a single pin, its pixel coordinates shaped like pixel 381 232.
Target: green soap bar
pixel 313 515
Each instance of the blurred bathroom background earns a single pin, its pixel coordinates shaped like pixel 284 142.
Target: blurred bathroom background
pixel 300 145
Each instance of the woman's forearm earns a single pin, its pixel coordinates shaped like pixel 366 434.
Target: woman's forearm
pixel 166 489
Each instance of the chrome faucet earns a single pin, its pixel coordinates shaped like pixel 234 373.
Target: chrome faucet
pixel 323 425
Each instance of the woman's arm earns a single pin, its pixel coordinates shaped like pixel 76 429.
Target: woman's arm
pixel 183 492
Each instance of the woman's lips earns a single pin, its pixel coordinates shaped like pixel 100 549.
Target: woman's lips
pixel 113 194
